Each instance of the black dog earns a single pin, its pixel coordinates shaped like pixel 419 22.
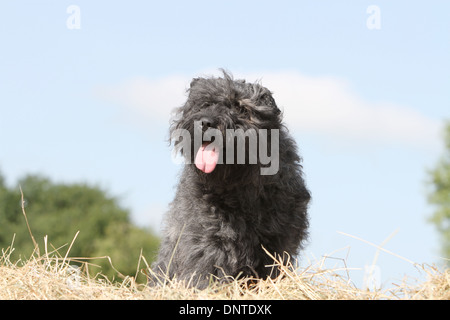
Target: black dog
pixel 229 205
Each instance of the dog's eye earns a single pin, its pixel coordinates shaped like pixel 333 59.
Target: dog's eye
pixel 243 111
pixel 238 110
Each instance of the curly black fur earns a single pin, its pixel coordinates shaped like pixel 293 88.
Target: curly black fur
pixel 219 222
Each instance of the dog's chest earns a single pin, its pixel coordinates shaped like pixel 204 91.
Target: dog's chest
pixel 236 203
pixel 231 217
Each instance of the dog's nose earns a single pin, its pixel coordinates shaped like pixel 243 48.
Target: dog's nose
pixel 207 122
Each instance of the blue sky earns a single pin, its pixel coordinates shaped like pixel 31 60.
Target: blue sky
pixel 365 106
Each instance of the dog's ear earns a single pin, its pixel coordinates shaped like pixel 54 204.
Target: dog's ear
pixel 194 81
pixel 268 100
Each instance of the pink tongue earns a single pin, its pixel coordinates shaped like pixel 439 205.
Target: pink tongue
pixel 206 158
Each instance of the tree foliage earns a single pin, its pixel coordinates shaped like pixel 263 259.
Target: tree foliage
pixel 439 195
pixel 60 211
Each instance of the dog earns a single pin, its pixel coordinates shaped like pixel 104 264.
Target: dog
pixel 231 205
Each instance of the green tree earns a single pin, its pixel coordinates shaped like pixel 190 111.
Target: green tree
pixel 60 211
pixel 439 195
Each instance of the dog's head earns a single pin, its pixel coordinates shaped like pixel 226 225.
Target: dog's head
pixel 221 113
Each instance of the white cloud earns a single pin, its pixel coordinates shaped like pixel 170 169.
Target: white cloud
pixel 152 99
pixel 328 106
pixel 323 105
